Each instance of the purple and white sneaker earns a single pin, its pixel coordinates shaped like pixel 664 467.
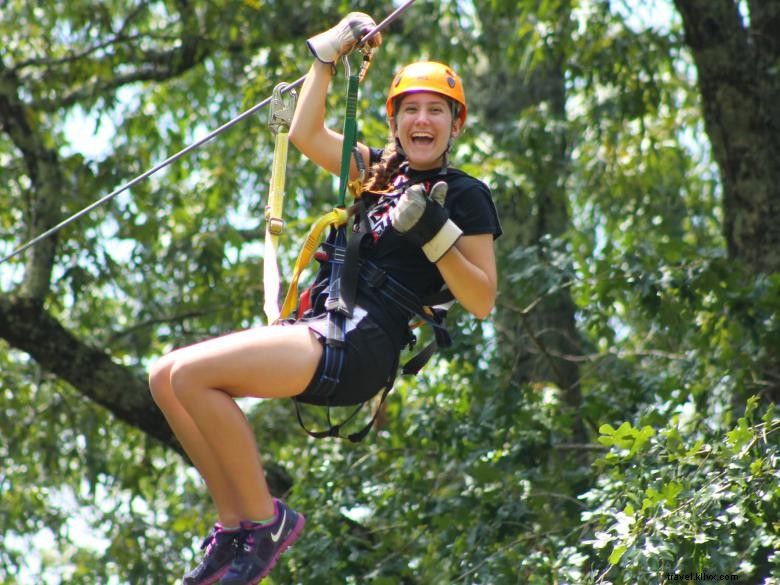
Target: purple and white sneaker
pixel 221 547
pixel 263 545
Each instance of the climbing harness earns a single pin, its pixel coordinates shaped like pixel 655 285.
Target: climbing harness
pixel 343 273
pixel 355 275
pixel 282 109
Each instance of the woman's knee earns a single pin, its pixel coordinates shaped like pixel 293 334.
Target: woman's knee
pixel 173 380
pixel 184 380
pixel 160 380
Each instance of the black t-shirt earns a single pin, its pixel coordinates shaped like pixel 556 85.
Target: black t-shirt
pixel 470 207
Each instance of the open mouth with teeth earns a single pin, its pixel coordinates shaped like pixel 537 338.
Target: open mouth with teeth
pixel 422 138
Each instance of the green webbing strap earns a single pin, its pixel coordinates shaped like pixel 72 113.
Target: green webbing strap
pixel 334 302
pixel 350 132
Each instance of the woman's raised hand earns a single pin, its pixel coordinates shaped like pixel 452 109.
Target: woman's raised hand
pixel 343 38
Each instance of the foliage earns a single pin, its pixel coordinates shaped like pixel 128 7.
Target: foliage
pixel 687 499
pixel 472 477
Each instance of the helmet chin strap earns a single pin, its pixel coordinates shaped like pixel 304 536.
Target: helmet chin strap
pixel 445 158
pixel 399 149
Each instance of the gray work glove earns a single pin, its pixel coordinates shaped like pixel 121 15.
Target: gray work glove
pixel 424 221
pixel 341 39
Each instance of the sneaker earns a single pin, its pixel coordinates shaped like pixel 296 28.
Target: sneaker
pixel 221 548
pixel 263 544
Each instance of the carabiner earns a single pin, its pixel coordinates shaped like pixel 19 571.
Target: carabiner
pixel 368 53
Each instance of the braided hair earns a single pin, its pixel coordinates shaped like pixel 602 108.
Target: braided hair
pixel 382 172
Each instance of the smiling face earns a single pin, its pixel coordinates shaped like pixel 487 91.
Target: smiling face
pixel 423 124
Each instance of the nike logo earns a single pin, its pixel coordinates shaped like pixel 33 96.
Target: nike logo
pixel 276 535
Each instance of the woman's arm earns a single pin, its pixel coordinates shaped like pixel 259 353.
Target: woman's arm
pixel 469 269
pixel 308 132
pixel 467 263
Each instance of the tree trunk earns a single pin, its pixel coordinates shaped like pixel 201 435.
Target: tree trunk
pixel 543 339
pixel 740 88
pixel 737 61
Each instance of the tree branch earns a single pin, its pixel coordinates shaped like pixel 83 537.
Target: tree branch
pixel 45 176
pixel 27 326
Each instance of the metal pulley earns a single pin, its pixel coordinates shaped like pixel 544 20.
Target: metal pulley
pixel 282 108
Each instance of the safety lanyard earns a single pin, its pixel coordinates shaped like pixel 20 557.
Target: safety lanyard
pixel 336 218
pixel 282 109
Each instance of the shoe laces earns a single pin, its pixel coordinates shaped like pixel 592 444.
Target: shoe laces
pixel 212 540
pixel 248 536
pixel 249 540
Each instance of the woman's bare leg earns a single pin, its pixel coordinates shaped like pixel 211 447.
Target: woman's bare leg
pixel 269 362
pixel 203 458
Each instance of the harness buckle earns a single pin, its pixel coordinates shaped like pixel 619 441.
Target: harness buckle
pixel 275 225
pixel 376 278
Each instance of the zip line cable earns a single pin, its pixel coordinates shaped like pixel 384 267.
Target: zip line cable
pixel 173 158
pixel 78 215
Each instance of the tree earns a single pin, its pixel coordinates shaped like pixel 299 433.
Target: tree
pixel 541 336
pixel 638 294
pixel 88 313
pixel 740 110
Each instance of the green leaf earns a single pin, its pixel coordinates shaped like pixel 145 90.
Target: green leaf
pixel 740 436
pixel 617 554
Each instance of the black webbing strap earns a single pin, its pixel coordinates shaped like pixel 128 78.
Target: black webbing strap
pixel 416 363
pixel 333 351
pixel 335 430
pixel 352 262
pixel 377 279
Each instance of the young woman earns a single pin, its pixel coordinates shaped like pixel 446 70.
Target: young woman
pixel 416 243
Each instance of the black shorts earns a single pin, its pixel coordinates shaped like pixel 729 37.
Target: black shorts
pixel 370 363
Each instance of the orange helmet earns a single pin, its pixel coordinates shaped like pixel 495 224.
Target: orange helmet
pixel 427 76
